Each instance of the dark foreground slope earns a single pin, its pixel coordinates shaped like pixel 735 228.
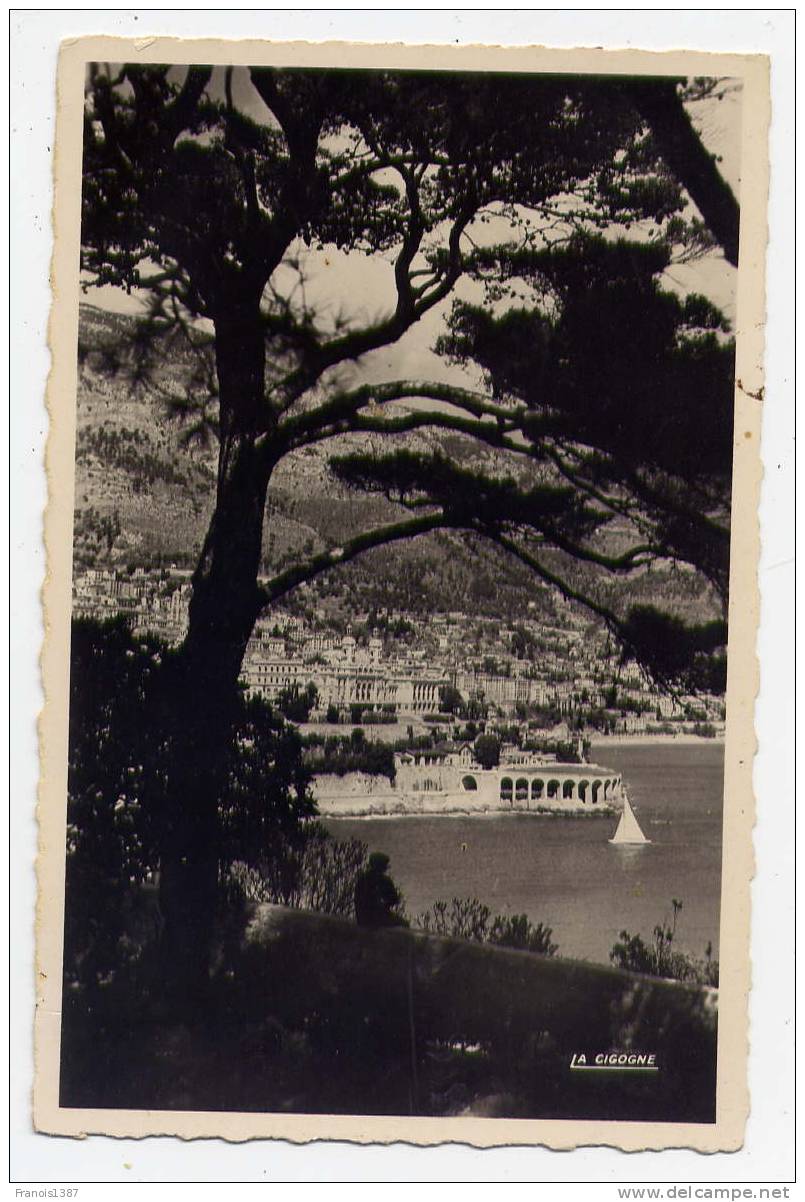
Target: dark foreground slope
pixel 312 1014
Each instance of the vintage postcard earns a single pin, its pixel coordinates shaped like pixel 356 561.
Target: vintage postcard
pixel 401 598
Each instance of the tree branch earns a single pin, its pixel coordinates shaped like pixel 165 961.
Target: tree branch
pixel 485 432
pixel 412 241
pixel 180 111
pixel 349 347
pixel 483 502
pixel 613 622
pixel 264 80
pixel 661 107
pixel 382 536
pixel 312 426
pixel 614 504
pixel 635 557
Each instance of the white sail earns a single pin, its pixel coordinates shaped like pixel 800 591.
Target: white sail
pixel 628 828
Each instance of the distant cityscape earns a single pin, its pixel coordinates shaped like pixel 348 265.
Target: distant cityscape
pixel 394 663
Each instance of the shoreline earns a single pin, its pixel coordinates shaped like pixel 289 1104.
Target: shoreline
pixel 654 740
pixel 386 733
pixel 365 814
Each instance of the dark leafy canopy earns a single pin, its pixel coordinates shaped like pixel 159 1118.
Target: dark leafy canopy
pixel 610 398
pixel 268 788
pixel 118 772
pixel 111 831
pixel 173 174
pixel 117 779
pixel 177 177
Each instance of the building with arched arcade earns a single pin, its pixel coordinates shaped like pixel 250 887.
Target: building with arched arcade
pixel 440 781
pixel 526 783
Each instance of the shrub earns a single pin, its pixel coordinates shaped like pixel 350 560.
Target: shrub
pixel 462 918
pixel 309 871
pixel 378 718
pixel 295 704
pixel 469 918
pixel 487 751
pixel 660 959
pixel 450 699
pixel 516 931
pixel 705 730
pixel 350 753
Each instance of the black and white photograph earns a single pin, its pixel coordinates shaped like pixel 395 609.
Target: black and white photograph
pixel 400 488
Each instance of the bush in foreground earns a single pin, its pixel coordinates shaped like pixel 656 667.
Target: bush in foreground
pixel 660 959
pixel 469 918
pixel 310 871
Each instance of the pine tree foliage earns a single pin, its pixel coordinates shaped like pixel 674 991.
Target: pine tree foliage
pixel 618 395
pixel 607 399
pixel 617 392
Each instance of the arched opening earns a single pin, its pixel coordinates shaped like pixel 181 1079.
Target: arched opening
pixel 469 784
pixel 537 789
pixel 583 787
pixel 567 790
pixel 596 790
pixel 607 783
pixel 521 789
pixel 506 789
pixel 553 788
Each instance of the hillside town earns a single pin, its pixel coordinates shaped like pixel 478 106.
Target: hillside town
pixel 387 665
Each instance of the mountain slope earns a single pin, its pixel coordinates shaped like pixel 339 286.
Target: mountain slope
pixel 144 496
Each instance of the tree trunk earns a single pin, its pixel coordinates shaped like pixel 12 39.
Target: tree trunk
pixel 201 684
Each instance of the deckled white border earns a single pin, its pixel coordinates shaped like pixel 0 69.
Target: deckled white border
pixel 732 1095
pixel 630 1173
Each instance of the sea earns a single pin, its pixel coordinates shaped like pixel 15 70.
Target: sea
pixel 563 872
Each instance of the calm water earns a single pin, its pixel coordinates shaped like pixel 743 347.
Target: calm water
pixel 562 871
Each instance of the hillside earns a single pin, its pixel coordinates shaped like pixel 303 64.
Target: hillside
pixel 144 495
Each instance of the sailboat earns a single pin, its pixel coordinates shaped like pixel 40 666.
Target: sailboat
pixel 628 828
